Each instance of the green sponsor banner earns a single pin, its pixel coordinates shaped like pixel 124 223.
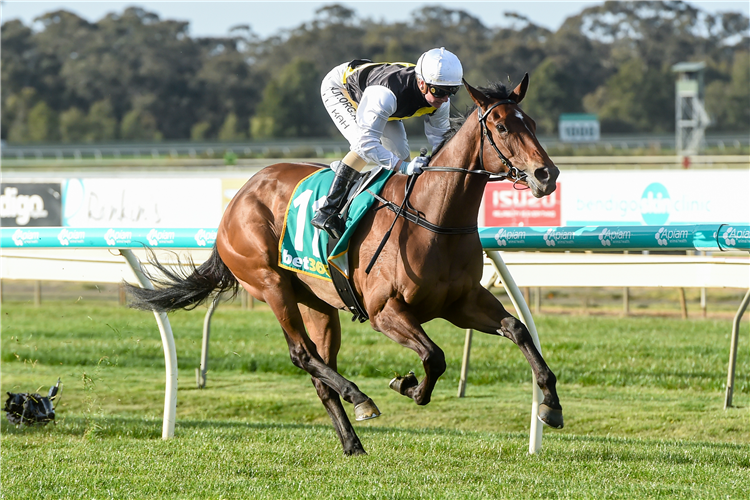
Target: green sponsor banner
pixel 69 237
pixel 705 237
pixel 734 237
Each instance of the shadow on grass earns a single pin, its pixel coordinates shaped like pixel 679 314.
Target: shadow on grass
pixel 151 428
pixel 557 446
pixel 584 448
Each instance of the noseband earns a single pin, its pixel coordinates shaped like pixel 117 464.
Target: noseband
pixel 513 173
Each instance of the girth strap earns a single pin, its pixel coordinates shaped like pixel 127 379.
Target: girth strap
pixel 345 288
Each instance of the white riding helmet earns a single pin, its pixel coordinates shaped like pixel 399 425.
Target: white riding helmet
pixel 440 67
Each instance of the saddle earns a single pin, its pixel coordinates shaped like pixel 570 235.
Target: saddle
pixel 343 284
pixel 304 249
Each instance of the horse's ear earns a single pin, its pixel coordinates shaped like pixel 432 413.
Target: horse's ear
pixel 520 91
pixel 478 97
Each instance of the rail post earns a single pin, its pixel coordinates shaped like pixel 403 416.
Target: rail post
pixel 465 364
pixel 170 351
pixel 516 297
pixel 733 349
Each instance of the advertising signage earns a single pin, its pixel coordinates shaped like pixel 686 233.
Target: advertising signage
pixel 30 204
pixel 656 197
pixel 578 127
pixel 624 198
pixel 150 202
pixel 509 205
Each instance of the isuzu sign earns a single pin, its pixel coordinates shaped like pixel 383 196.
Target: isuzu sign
pixel 504 205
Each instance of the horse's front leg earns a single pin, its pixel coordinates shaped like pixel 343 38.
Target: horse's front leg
pixel 397 323
pixel 482 311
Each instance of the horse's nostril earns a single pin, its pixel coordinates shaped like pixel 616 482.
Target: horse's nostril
pixel 542 174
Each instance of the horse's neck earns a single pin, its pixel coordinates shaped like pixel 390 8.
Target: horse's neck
pixel 452 199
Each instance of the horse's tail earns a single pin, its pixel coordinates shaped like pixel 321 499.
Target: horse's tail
pixel 183 288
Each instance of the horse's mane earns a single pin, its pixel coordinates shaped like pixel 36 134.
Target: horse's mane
pixel 493 90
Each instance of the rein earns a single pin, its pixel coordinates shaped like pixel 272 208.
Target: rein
pixel 513 173
pixel 415 218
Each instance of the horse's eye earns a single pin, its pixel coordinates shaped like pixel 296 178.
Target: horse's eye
pixel 501 128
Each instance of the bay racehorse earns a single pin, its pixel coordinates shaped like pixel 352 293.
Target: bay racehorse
pixel 419 275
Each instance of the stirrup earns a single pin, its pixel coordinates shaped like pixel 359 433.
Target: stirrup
pixel 334 225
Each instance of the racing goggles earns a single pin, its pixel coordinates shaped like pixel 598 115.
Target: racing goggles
pixel 444 91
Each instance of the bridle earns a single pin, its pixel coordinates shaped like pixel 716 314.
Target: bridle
pixel 412 215
pixel 515 174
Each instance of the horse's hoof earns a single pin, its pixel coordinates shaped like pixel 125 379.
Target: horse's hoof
pixel 355 452
pixel 401 384
pixel 366 410
pixel 550 416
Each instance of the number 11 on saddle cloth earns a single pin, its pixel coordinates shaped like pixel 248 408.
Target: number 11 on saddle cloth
pixel 302 247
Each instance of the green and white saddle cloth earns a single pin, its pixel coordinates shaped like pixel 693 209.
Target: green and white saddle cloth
pixel 302 247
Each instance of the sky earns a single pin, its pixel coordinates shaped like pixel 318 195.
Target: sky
pixel 215 18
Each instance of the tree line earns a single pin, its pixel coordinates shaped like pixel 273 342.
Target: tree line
pixel 133 76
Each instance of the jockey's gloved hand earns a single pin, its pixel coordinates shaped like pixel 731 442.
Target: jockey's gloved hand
pixel 415 166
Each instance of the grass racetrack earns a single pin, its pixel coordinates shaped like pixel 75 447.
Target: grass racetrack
pixel 642 399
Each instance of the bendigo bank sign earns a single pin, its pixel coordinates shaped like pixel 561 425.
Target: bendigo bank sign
pixel 30 204
pixel 504 205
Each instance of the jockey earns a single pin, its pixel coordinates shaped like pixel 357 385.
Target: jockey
pixel 367 101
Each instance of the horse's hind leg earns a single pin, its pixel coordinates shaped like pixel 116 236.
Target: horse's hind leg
pixel 324 328
pixel 282 300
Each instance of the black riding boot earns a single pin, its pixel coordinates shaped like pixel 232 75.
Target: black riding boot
pixel 327 218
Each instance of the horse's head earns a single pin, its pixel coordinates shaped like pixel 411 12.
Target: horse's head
pixel 510 142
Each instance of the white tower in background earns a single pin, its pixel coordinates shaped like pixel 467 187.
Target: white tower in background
pixel 691 118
